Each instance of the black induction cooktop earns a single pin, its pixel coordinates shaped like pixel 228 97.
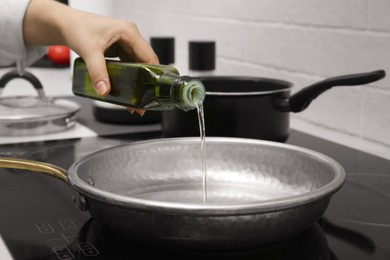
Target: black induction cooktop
pixel 39 220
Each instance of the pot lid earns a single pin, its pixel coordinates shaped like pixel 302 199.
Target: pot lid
pixel 35 108
pixel 22 109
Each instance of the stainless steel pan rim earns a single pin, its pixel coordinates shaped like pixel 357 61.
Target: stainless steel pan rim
pixel 249 93
pixel 244 86
pixel 272 205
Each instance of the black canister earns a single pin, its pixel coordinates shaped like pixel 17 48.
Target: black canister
pixel 164 47
pixel 202 57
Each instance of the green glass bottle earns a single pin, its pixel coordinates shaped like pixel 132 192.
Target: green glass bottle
pixel 142 86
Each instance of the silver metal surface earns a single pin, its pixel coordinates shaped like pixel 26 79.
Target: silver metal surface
pixel 247 93
pixel 259 192
pixel 27 116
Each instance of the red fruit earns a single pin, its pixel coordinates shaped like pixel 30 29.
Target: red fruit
pixel 59 54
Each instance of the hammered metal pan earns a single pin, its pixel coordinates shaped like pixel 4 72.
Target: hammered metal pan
pixel 258 192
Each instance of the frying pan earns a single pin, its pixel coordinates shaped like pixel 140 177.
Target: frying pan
pixel 259 192
pixel 253 107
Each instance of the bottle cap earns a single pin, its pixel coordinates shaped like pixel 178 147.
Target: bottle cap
pixel 202 55
pixel 192 93
pixel 164 47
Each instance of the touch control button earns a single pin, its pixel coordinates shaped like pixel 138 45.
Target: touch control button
pixel 88 249
pixel 63 253
pixel 44 227
pixel 67 224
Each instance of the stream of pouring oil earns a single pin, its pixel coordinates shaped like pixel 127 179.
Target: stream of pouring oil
pixel 202 130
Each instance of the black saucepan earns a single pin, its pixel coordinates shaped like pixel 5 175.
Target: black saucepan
pixel 253 107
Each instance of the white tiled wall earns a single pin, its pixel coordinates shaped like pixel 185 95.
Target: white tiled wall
pixel 302 41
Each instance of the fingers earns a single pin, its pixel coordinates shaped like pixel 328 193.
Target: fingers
pixel 97 69
pixel 116 38
pixel 139 112
pixel 144 52
pixel 134 43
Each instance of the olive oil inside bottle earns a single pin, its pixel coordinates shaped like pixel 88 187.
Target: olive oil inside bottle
pixel 141 86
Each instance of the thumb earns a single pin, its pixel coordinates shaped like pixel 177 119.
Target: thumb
pixel 96 65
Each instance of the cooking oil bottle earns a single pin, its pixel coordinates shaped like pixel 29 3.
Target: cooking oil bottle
pixel 142 86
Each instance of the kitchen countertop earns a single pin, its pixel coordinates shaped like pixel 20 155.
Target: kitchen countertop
pixel 355 224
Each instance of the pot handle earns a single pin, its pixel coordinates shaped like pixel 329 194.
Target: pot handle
pixel 34 166
pixel 351 236
pixel 302 99
pixel 13 74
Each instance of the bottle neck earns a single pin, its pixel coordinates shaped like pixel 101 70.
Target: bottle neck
pixel 190 92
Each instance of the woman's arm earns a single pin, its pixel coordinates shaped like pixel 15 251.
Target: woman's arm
pixel 13 50
pixel 92 36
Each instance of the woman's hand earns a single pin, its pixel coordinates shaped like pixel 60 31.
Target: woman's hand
pixel 92 36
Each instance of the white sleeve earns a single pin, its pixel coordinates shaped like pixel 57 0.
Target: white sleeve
pixel 12 47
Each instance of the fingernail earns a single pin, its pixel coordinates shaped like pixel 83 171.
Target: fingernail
pixel 101 87
pixel 141 113
pixel 132 111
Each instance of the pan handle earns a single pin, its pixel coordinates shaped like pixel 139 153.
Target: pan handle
pixel 302 99
pixel 34 166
